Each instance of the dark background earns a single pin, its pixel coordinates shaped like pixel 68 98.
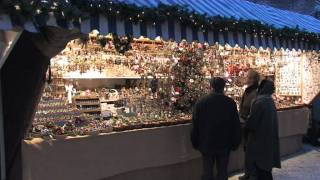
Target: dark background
pixel 300 6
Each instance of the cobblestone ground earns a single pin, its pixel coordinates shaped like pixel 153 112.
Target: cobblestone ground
pixel 304 165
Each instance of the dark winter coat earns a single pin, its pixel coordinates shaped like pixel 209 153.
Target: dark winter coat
pixel 247 98
pixel 316 109
pixel 216 124
pixel 263 138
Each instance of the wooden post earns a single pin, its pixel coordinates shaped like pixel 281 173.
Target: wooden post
pixel 2 149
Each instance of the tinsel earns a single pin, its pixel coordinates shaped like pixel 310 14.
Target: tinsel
pixel 76 10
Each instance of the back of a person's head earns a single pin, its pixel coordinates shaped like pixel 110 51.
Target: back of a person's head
pixel 266 87
pixel 218 84
pixel 254 75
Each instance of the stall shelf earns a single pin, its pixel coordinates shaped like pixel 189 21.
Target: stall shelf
pixel 88 104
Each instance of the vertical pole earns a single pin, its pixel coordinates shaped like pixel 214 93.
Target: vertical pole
pixel 2 150
pixel 10 39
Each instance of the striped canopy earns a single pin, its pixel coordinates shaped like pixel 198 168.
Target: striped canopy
pixel 242 9
pixel 172 29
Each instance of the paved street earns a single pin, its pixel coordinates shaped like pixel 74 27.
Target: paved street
pixel 304 165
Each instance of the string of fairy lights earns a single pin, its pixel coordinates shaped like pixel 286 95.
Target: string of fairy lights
pixel 76 11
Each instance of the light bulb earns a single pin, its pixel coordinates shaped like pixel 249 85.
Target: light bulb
pixel 17 7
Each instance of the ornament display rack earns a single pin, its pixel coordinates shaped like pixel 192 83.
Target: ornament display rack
pixel 156 82
pixel 88 104
pixel 55 118
pixel 51 116
pixel 56 110
pixel 58 87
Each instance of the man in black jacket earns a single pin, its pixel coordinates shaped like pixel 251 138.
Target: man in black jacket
pixel 252 81
pixel 248 97
pixel 216 130
pixel 263 149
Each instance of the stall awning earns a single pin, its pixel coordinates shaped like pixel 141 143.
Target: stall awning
pixel 242 9
pixel 172 29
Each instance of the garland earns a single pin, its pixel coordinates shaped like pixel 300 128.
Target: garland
pixel 121 44
pixel 75 10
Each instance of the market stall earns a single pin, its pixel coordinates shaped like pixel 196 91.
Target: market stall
pixel 95 89
pixel 142 100
pixel 137 86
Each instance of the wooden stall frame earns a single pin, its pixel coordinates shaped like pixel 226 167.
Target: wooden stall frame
pixel 2 150
pixel 2 144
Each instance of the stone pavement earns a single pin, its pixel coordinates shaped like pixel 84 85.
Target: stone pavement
pixel 305 165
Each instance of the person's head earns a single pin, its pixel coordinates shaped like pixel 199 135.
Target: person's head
pixel 253 78
pixel 217 84
pixel 266 87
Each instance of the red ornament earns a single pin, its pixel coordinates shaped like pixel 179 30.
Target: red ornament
pixel 178 90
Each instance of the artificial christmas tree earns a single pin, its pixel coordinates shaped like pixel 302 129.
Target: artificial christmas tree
pixel 188 76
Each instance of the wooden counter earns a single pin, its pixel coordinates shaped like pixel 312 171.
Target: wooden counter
pixel 163 153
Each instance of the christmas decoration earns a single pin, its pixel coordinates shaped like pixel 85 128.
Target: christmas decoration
pixel 74 11
pixel 102 41
pixel 122 44
pixel 188 77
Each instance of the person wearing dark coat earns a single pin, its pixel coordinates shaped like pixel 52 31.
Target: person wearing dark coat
pixel 216 130
pixel 249 95
pixel 263 150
